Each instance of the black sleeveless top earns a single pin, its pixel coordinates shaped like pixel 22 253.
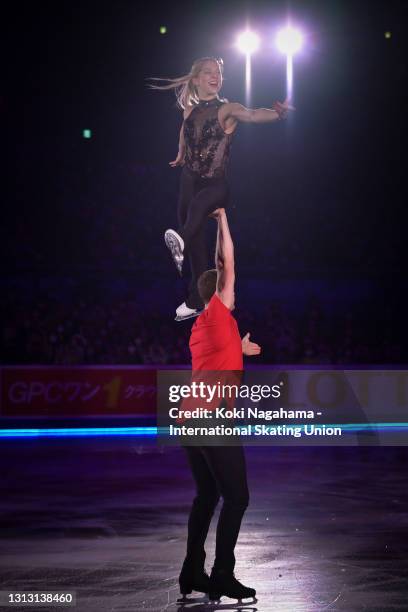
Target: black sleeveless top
pixel 207 145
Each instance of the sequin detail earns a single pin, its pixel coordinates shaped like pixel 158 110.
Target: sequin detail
pixel 207 145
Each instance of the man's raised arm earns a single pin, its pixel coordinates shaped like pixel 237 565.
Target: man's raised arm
pixel 224 261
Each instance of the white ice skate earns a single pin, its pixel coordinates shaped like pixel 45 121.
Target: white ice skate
pixel 183 312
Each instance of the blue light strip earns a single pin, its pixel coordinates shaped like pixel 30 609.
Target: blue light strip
pixel 65 432
pixel 78 431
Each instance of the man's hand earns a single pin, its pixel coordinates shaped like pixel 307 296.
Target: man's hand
pixel 179 161
pixel 217 213
pixel 250 348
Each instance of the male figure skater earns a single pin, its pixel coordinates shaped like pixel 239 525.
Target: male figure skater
pixel 216 345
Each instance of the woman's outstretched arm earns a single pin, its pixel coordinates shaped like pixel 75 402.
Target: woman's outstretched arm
pixel 238 112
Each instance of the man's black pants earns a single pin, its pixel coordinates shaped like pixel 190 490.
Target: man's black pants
pixel 217 470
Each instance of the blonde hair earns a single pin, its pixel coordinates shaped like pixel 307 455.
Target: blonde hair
pixel 185 90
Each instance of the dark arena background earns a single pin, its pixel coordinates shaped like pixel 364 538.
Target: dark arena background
pixel 91 504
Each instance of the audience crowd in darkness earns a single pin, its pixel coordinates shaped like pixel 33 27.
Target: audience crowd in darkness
pixel 111 215
pixel 110 219
pixel 48 330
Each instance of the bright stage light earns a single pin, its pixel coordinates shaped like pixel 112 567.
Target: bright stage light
pixel 289 41
pixel 248 42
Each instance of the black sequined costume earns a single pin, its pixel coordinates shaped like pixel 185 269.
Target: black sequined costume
pixel 203 186
pixel 207 145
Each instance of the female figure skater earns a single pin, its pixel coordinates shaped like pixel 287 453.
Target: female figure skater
pixel 204 145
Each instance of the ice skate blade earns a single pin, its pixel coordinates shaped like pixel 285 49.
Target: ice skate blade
pixel 188 601
pixel 244 601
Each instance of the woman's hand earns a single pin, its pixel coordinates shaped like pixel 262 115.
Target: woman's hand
pixel 179 161
pixel 250 348
pixel 282 108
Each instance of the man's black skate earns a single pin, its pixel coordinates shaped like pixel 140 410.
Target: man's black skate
pixel 225 583
pixel 193 577
pixel 197 582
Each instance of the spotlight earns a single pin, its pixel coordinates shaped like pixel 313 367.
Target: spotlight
pixel 289 41
pixel 248 42
pixel 163 30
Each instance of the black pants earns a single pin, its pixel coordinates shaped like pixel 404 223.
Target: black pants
pixel 198 198
pixel 217 470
